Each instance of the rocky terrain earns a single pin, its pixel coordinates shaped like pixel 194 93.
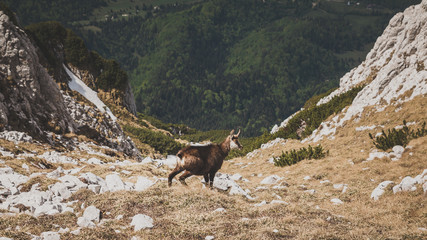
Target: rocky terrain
pixel 77 187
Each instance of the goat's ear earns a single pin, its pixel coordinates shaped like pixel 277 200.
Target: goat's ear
pixel 238 133
pixel 232 132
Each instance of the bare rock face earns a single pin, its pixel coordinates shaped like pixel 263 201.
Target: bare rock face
pixel 396 66
pixel 30 101
pixel 395 70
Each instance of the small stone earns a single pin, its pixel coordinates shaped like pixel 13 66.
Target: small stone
pixel 279 202
pixel 92 213
pixel 76 232
pixel 275 230
pixel 95 161
pixel 260 204
pixel 273 179
pixel 141 221
pixel 84 222
pixel 94 188
pixel 143 183
pixel 236 177
pixel 380 189
pixel 310 191
pixel 209 237
pixel 114 183
pixel 220 210
pixel 306 178
pixel 63 230
pixel 336 201
pixel 50 236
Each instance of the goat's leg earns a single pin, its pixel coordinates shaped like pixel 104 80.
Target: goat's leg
pixel 206 176
pixel 211 179
pixel 185 175
pixel 173 174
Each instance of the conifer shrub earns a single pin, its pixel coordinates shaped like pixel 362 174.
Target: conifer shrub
pixel 393 137
pixel 159 141
pixel 312 116
pixel 294 156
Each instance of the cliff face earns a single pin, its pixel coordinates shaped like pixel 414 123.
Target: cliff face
pixel 30 101
pixel 395 65
pixel 395 70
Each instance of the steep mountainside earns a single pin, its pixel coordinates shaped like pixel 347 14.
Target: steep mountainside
pixel 354 191
pixel 32 102
pixel 30 99
pixel 219 64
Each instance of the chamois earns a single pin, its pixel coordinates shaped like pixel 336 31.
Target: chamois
pixel 203 160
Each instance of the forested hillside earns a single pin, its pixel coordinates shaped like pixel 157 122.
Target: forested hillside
pixel 221 64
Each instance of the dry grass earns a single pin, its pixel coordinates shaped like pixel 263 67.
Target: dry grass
pixel 188 212
pixel 42 180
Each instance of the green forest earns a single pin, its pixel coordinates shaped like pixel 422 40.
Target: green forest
pixel 222 64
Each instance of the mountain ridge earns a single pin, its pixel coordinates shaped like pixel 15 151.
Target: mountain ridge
pixel 94 191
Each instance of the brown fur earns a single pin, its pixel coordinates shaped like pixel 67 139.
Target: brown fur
pixel 203 160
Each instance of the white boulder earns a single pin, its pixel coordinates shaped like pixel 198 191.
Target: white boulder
pixel 336 201
pixel 380 189
pixel 84 222
pixel 92 214
pixel 141 221
pixel 407 184
pixel 143 183
pixel 114 183
pixel 273 179
pixel 50 236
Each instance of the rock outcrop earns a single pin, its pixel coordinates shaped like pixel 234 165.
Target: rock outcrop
pixel 30 101
pixel 395 70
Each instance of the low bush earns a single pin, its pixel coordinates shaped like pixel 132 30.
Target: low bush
pixel 159 141
pixel 312 116
pixel 393 137
pixel 294 156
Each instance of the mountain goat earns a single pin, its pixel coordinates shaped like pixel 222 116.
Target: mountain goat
pixel 204 160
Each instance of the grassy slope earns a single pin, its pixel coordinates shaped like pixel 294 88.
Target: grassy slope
pixel 187 212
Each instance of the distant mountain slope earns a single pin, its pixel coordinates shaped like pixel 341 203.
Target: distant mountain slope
pixel 222 64
pixel 44 107
pixel 394 70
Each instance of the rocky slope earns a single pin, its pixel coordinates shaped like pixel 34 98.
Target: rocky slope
pixel 32 103
pixel 30 100
pixel 355 192
pixel 394 70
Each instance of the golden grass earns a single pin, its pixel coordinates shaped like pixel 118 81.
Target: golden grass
pixel 188 212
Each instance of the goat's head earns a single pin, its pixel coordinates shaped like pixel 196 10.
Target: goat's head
pixel 234 140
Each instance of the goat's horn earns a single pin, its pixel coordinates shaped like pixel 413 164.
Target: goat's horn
pixel 238 133
pixel 232 131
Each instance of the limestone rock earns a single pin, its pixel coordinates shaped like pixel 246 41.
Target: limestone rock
pixel 114 183
pixel 393 68
pixel 141 221
pixel 407 184
pixel 92 214
pixel 380 189
pixel 50 236
pixel 29 96
pixel 143 183
pixel 273 179
pixel 336 201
